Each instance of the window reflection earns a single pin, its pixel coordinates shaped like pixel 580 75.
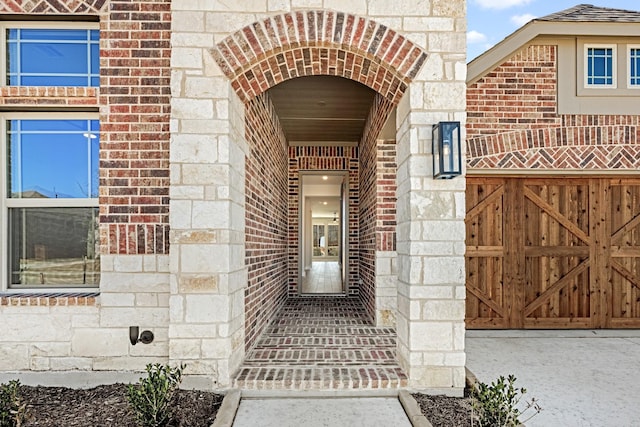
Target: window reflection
pixel 54 247
pixel 52 57
pixel 53 158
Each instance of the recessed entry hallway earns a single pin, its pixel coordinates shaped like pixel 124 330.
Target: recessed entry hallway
pixel 322 343
pixel 322 278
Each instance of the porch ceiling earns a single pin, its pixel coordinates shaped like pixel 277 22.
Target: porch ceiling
pixel 323 110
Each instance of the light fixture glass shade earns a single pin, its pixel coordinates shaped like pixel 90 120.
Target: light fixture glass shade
pixel 447 162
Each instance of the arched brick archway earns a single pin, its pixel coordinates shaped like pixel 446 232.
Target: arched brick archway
pixel 321 42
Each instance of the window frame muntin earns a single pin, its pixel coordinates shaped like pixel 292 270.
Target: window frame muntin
pixel 614 65
pixel 7 203
pixel 52 25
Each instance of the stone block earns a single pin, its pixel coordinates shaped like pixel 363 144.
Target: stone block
pixel 185 349
pixel 187 21
pixel 432 376
pixel 186 108
pixel 443 310
pixel 211 214
pixel 39 363
pixel 216 348
pixel 100 342
pixel 49 349
pixel 187 330
pixel 207 308
pixel 126 363
pixel 146 299
pixel 14 357
pixel 187 57
pixel 108 299
pixel 403 8
pixel 431 336
pixel 194 147
pixel 70 363
pixel 204 258
pixel 443 270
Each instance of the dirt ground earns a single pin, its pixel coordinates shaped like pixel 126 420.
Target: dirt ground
pixel 444 411
pixel 107 406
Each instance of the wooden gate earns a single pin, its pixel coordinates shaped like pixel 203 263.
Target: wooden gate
pixel 553 252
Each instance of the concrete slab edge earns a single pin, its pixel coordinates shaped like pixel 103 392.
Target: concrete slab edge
pixel 412 409
pixel 227 412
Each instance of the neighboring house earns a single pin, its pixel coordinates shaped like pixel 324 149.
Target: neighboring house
pixel 160 126
pixel 553 184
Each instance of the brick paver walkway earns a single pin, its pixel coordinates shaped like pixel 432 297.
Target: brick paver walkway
pixel 321 343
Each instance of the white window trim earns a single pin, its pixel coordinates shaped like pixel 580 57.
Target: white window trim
pixel 628 59
pixel 6 202
pixel 614 63
pixel 4 25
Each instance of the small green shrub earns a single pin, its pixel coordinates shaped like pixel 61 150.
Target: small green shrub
pixel 150 398
pixel 496 405
pixel 12 410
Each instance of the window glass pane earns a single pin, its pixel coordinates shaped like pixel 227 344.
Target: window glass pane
pixel 600 66
pixel 52 158
pixel 45 34
pixel 54 247
pixel 52 57
pixel 634 61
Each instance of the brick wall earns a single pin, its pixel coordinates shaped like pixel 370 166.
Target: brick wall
pixel 135 55
pixel 377 199
pixel 512 122
pixel 266 216
pixel 318 159
pixel 518 94
pixel 85 331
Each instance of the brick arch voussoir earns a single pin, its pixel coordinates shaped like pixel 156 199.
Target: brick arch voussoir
pixel 321 42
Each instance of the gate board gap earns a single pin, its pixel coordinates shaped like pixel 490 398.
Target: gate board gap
pixel 553 252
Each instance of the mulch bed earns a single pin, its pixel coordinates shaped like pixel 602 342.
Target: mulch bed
pixel 445 411
pixel 107 406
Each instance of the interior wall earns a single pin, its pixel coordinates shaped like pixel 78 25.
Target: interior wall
pixel 311 158
pixel 266 216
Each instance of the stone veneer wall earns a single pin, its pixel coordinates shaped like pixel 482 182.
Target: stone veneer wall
pixel 84 333
pixel 307 158
pixel 377 210
pixel 267 212
pixel 513 122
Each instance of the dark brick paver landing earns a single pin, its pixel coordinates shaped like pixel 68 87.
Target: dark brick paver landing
pixel 322 343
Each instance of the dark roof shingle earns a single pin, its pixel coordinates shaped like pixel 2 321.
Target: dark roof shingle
pixel 590 13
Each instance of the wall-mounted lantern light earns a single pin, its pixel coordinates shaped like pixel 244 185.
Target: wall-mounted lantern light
pixel 447 162
pixel 146 337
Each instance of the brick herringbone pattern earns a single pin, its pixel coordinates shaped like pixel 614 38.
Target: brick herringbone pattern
pixel 572 147
pixel 52 6
pixel 322 343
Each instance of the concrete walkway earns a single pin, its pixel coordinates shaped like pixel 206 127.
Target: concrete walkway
pixel 580 378
pixel 321 412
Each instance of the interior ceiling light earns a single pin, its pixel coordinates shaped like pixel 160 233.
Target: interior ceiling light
pixel 324 203
pixel 325 177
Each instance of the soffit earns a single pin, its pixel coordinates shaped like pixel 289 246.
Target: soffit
pixel 323 110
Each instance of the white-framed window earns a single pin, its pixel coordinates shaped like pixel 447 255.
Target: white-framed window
pixel 600 66
pixel 49 216
pixel 50 54
pixel 634 66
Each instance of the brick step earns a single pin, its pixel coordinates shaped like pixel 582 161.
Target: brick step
pixel 294 330
pixel 325 342
pixel 338 357
pixel 313 377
